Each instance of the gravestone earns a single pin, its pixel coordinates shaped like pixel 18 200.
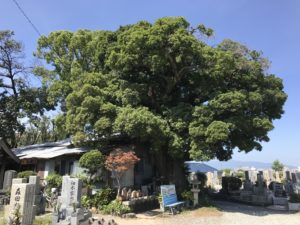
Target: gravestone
pixel 247 175
pixel 69 212
pixel 247 183
pixel 71 191
pixel 288 187
pixel 39 200
pixel 21 201
pixel 294 178
pixel 9 175
pixel 278 189
pixel 19 181
pixel 287 175
pixel 268 176
pixel 297 174
pixel 260 184
pixel 252 176
pixel 280 197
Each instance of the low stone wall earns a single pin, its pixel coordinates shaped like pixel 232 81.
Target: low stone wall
pixel 142 204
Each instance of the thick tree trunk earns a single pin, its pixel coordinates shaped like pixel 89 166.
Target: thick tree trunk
pixel 170 170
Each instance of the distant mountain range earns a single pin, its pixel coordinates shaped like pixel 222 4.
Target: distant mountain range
pixel 238 164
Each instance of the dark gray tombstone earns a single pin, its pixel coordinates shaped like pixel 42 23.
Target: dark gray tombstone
pixel 247 175
pixel 294 179
pixel 287 175
pixel 278 189
pixel 9 175
pixel 298 176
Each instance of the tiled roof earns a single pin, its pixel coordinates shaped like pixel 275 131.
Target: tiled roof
pixel 48 150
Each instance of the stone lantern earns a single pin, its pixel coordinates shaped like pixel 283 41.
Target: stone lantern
pixel 195 182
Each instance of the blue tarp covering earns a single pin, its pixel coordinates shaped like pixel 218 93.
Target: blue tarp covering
pixel 195 166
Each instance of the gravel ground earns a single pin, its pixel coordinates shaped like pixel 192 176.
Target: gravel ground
pixel 229 214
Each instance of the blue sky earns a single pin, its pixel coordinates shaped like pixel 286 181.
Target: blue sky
pixel 272 26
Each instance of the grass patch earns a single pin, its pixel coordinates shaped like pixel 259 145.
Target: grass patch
pixel 2 220
pixel 43 220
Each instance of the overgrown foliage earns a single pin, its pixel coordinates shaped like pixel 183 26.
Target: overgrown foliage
pixel 160 85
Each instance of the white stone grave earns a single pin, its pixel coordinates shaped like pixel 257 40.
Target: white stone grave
pixel 21 200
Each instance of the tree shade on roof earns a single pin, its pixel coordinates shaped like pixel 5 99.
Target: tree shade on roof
pixel 48 150
pixel 195 166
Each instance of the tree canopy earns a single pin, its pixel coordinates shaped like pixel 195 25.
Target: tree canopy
pixel 277 166
pixel 162 85
pixel 18 99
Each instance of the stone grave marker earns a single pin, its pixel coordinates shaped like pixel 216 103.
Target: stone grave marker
pixel 297 174
pixel 278 189
pixel 70 212
pixel 259 189
pixel 19 181
pixel 287 175
pixel 21 201
pixel 294 178
pixel 9 175
pixel 71 190
pixel 39 200
pixel 253 176
pixel 247 183
pixel 247 175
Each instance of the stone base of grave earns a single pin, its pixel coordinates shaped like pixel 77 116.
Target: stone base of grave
pixel 261 200
pixel 294 206
pixel 280 201
pixel 69 217
pixel 246 196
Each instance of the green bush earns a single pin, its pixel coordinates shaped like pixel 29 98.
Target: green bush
pixel 53 181
pixel 26 174
pixel 231 183
pixel 87 201
pixel 115 208
pixel 102 198
pixel 92 161
pixel 294 198
pixel 187 195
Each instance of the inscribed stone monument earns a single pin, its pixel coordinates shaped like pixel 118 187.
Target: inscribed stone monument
pixel 21 200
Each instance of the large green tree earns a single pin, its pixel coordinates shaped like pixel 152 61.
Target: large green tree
pixel 162 86
pixel 18 99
